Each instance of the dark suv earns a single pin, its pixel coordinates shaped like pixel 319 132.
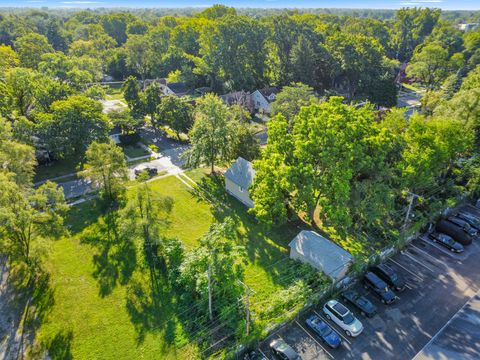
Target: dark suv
pixel 387 274
pixel 379 287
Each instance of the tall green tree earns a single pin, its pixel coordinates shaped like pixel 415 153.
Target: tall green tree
pixel 31 47
pixel 175 113
pixel 107 168
pixel 291 98
pixel 429 65
pixel 72 125
pixel 151 98
pixel 210 136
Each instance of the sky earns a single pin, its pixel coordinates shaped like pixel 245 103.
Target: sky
pixel 362 4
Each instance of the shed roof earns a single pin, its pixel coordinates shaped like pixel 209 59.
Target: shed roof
pixel 241 173
pixel 178 88
pixel 326 255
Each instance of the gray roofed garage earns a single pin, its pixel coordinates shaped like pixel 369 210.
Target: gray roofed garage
pixel 324 255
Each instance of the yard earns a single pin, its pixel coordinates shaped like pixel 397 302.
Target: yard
pixel 104 301
pixel 133 151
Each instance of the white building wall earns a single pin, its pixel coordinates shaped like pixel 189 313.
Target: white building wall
pixel 259 102
pixel 242 195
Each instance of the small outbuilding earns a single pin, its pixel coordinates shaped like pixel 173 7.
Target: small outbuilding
pixel 238 179
pixel 324 255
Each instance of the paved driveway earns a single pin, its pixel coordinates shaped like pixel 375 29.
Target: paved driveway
pixel 439 283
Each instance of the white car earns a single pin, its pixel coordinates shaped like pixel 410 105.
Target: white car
pixel 343 317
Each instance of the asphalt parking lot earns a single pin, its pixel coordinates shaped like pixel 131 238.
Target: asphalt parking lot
pixel 439 284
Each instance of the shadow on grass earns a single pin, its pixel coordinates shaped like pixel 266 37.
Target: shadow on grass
pixel 150 305
pixel 30 299
pixel 266 247
pixel 59 348
pixel 116 259
pixel 83 215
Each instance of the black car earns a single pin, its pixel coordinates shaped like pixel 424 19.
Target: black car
pixel 453 230
pixel 464 225
pixel 379 287
pixel 283 351
pixel 390 276
pixel 446 241
pixel 472 220
pixel 360 302
pixel 150 171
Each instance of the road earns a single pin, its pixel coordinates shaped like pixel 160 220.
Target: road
pixel 168 160
pixel 439 284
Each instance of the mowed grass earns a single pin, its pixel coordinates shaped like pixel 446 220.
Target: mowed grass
pixel 105 306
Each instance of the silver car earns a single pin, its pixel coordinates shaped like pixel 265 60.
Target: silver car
pixel 343 317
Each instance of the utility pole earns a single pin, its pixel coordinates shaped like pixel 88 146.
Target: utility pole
pixel 209 275
pixel 247 305
pixel 409 210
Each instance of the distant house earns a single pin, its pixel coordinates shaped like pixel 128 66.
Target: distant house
pixel 312 248
pixel 238 179
pixel 179 89
pixel 240 98
pixel 262 99
pixel 468 26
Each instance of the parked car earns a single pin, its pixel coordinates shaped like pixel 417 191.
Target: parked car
pixel 390 276
pixel 360 302
pixel 453 230
pixel 379 287
pixel 149 170
pixel 283 351
pixel 325 332
pixel 472 220
pixel 464 225
pixel 446 241
pixel 475 211
pixel 343 317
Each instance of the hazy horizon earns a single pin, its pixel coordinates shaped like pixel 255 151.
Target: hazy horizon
pixel 339 4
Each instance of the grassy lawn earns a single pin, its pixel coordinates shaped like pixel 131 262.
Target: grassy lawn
pixel 134 151
pixel 57 168
pixel 105 303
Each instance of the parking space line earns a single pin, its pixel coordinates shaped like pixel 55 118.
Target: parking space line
pixel 438 247
pixel 314 339
pixel 266 357
pixel 417 261
pixel 408 287
pixel 335 325
pixel 423 251
pixel 404 268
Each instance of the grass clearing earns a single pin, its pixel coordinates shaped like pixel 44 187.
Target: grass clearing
pixel 57 168
pixel 134 151
pixel 105 303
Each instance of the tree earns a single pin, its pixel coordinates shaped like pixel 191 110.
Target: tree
pixel 137 47
pixel 8 58
pixel 210 136
pixel 72 125
pixel 219 259
pixel 244 142
pixel 429 65
pixel 175 113
pixel 144 216
pixel 125 121
pixel 20 86
pixel 27 217
pixel 16 159
pixel 291 98
pixel 107 168
pixel 31 47
pixel 131 93
pixel 151 99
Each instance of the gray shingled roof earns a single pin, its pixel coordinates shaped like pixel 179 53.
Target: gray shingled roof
pixel 329 257
pixel 241 173
pixel 178 88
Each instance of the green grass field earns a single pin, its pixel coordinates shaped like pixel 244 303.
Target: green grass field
pixel 105 306
pixel 134 151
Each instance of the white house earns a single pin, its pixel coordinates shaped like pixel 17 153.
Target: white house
pixel 324 255
pixel 238 179
pixel 262 98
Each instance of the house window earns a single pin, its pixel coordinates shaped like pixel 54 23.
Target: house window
pixel 241 189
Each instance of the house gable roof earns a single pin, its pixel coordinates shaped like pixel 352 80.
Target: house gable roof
pixel 241 173
pixel 267 92
pixel 326 255
pixel 178 88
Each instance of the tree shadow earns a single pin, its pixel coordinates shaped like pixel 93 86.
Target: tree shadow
pixel 150 305
pixel 59 348
pixel 116 259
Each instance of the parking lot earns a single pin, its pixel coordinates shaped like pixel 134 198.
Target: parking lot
pixel 439 284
